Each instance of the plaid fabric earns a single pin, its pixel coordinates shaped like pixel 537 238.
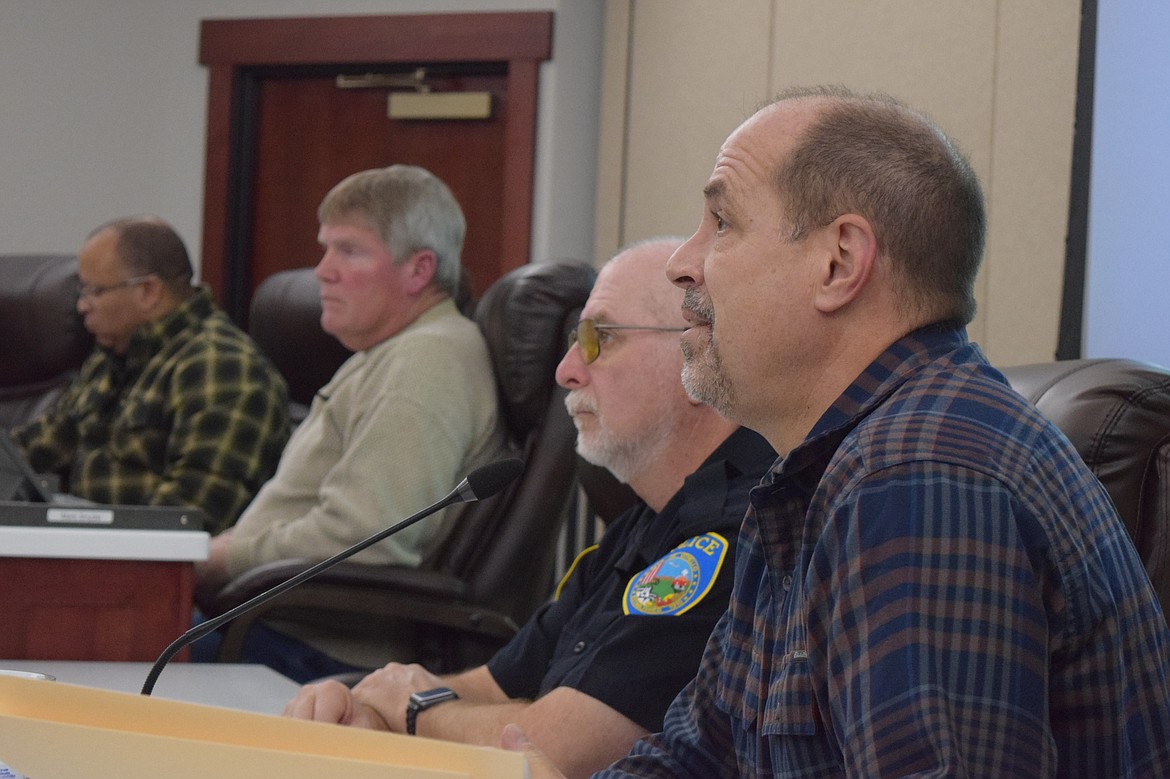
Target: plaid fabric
pixel 932 584
pixel 194 414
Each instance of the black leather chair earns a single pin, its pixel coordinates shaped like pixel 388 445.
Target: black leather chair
pixel 493 571
pixel 42 340
pixel 285 320
pixel 1117 414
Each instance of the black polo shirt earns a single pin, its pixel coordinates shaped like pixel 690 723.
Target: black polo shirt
pixel 634 612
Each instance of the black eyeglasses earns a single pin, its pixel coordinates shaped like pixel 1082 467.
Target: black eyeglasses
pixel 586 333
pixel 91 291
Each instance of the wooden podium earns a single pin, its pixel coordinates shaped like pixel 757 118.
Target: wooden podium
pixel 50 729
pixel 95 593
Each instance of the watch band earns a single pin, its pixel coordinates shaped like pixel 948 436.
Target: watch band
pixel 421 701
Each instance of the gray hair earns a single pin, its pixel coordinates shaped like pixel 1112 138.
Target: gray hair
pixel 411 209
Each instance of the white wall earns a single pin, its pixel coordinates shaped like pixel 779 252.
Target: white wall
pixel 1128 276
pixel 103 112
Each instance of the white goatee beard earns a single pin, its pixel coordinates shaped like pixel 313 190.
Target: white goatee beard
pixel 624 457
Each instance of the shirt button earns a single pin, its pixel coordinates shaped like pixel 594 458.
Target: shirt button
pixel 578 647
pixel 787 582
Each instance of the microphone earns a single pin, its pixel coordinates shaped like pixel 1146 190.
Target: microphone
pixel 483 482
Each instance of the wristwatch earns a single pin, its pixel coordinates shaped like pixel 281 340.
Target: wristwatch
pixel 421 701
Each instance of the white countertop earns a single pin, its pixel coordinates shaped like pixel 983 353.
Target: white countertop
pixel 103 543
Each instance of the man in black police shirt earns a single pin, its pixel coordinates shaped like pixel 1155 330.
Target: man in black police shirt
pixel 596 668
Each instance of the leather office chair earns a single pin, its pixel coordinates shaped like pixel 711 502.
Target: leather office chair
pixel 284 319
pixel 492 572
pixel 43 342
pixel 1117 414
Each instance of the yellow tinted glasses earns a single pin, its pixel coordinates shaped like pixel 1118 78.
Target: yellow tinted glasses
pixel 587 334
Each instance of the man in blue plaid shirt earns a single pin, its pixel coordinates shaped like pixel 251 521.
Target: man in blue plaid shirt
pixel 929 582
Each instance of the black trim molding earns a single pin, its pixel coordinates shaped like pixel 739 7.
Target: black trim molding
pixel 1072 305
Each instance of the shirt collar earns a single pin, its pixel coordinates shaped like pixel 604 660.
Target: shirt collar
pixel 444 308
pixel 700 500
pixel 704 492
pixel 149 339
pixel 873 386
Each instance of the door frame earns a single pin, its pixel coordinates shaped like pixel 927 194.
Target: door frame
pixel 233 49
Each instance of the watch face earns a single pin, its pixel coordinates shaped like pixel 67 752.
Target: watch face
pixel 421 701
pixel 431 697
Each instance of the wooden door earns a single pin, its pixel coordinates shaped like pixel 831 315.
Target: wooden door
pixel 281 132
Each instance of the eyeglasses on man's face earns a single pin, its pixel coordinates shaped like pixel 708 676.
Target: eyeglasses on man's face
pixel 92 291
pixel 588 334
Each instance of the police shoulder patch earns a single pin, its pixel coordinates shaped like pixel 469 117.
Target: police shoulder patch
pixel 678 580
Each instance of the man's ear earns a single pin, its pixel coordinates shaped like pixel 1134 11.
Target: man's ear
pixel 152 291
pixel 852 252
pixel 421 270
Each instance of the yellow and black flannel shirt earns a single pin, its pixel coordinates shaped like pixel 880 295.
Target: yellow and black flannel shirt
pixel 193 414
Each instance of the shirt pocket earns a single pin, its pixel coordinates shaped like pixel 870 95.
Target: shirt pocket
pixel 790 706
pixel 140 434
pixel 737 696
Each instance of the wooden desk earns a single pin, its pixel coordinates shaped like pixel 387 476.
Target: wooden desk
pixel 95 593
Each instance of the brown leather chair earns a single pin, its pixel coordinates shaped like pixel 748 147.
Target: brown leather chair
pixel 284 319
pixel 492 572
pixel 43 342
pixel 1116 412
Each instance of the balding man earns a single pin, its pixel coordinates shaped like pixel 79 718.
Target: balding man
pixel 176 405
pixel 930 582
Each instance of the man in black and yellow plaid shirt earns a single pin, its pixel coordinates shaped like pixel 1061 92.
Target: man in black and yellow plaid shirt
pixel 176 406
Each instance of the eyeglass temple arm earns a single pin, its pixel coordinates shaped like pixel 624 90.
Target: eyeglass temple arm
pixel 639 327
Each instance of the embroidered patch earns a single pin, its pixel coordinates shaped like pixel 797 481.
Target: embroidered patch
pixel 678 580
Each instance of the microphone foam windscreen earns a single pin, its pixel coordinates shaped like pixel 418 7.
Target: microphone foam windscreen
pixel 489 479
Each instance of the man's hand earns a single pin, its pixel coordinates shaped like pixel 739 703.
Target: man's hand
pixel 387 691
pixel 211 574
pixel 377 702
pixel 333 702
pixel 539 766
